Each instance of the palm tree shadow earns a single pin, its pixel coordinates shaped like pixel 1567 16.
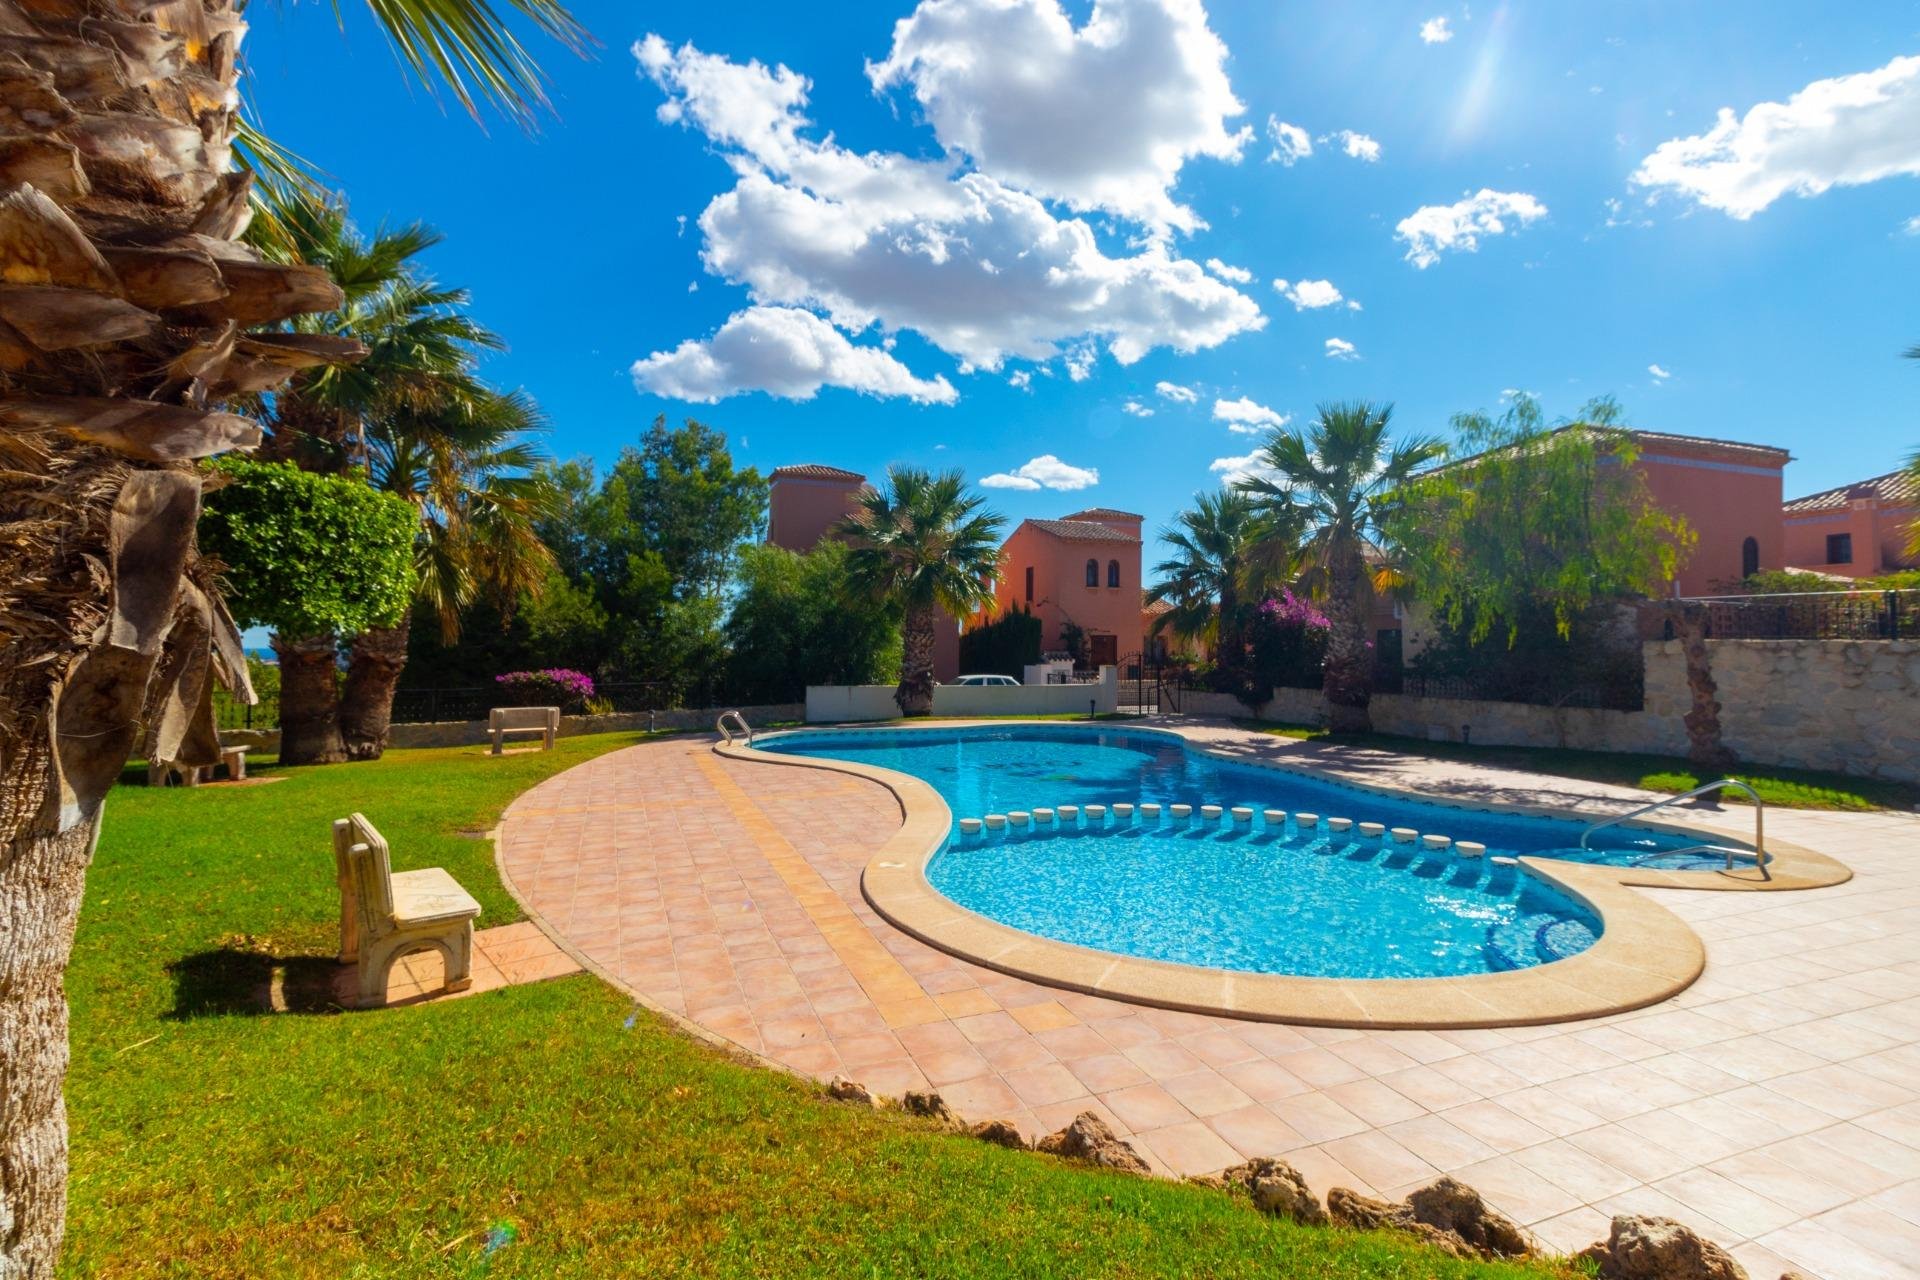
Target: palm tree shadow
pixel 231 981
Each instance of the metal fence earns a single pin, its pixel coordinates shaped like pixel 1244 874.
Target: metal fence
pixel 430 706
pixel 1622 694
pixel 1813 615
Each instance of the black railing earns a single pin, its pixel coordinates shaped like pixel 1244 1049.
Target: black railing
pixel 1609 695
pixel 1813 615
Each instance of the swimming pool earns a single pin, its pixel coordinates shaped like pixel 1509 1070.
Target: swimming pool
pixel 1261 896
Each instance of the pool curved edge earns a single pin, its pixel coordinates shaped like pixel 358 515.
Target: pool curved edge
pixel 1645 952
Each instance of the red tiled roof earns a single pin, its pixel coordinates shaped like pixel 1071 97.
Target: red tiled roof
pixel 1756 454
pixel 815 471
pixel 1896 487
pixel 1082 531
pixel 1102 513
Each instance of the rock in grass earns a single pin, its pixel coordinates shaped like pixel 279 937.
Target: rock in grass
pixel 844 1090
pixel 1448 1215
pixel 1001 1133
pixel 932 1106
pixel 1648 1248
pixel 1276 1188
pixel 1089 1139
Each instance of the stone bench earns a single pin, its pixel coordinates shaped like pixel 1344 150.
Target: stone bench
pixel 544 721
pixel 234 758
pixel 385 915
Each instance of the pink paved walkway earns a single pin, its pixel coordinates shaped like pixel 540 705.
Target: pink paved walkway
pixel 1775 1105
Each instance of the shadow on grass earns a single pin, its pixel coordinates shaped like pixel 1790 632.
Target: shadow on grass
pixel 230 981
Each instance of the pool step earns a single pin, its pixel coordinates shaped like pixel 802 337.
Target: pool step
pixel 1535 939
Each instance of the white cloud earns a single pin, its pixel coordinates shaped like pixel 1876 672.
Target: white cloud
pixel 1309 295
pixel 1080 360
pixel 1021 379
pixel 1844 131
pixel 1290 141
pixel 1246 416
pixel 1435 31
pixel 1660 375
pixel 1437 228
pixel 1911 226
pixel 980 269
pixel 1137 409
pixel 1341 349
pixel 1044 472
pixel 1226 271
pixel 784 352
pixel 1357 145
pixel 1175 392
pixel 1233 470
pixel 1102 117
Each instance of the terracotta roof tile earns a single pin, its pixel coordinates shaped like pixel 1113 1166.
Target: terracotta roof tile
pixel 1082 531
pixel 815 471
pixel 1896 487
pixel 1103 513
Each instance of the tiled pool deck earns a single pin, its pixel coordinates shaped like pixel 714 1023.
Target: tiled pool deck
pixel 1774 1105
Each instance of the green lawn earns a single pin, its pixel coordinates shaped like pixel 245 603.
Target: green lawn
pixel 1671 775
pixel 210 1139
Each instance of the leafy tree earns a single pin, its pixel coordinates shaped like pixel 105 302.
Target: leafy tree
pixel 1205 575
pixel 139 332
pixel 1006 646
pixel 1538 522
pixel 309 555
pixel 793 624
pixel 924 544
pixel 1325 492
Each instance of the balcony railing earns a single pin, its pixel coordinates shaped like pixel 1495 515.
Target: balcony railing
pixel 1813 615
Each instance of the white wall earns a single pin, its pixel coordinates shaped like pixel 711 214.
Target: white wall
pixel 841 703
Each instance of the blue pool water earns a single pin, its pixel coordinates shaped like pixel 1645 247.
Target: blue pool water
pixel 1285 899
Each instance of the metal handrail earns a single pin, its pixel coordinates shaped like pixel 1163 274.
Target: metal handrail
pixel 1759 823
pixel 720 726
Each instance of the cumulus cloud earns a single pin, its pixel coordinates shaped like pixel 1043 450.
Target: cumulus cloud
pixel 1175 392
pixel 1244 467
pixel 982 269
pixel 1659 374
pixel 1357 145
pixel 1021 379
pixel 1843 132
pixel 1341 349
pixel 1309 295
pixel 1122 103
pixel 1434 229
pixel 1290 141
pixel 1137 409
pixel 1435 31
pixel 1246 416
pixel 785 352
pixel 1226 271
pixel 1911 226
pixel 1044 472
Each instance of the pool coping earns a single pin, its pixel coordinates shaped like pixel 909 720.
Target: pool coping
pixel 1645 952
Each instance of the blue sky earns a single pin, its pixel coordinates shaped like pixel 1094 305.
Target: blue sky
pixel 905 246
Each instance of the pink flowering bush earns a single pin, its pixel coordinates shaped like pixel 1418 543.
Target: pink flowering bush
pixel 554 687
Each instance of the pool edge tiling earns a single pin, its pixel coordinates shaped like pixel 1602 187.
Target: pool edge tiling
pixel 1645 953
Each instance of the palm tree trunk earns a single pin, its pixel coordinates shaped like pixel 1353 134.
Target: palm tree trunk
pixel 915 694
pixel 309 700
pixel 374 663
pixel 1233 649
pixel 1347 676
pixel 1704 745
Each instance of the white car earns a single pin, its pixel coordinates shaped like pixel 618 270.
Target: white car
pixel 977 681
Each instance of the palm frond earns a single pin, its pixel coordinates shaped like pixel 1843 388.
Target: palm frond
pixel 467 48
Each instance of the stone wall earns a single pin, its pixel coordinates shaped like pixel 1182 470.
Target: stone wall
pixel 463 733
pixel 1842 705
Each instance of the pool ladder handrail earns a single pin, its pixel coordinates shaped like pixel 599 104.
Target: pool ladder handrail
pixel 720 726
pixel 1759 825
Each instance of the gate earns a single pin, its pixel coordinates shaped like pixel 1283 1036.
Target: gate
pixel 1146 685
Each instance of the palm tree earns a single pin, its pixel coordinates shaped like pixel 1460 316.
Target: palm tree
pixel 1334 482
pixel 420 346
pixel 924 543
pixel 131 316
pixel 1204 578
pixel 481 489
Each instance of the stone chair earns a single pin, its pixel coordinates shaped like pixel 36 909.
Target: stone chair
pixel 384 915
pixel 234 758
pixel 544 721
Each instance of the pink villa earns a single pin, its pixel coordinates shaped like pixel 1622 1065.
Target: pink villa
pixel 1855 530
pixel 1083 568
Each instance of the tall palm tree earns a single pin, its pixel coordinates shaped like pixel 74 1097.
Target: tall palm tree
pixel 1334 482
pixel 1204 578
pixel 481 490
pixel 924 543
pixel 420 346
pixel 131 317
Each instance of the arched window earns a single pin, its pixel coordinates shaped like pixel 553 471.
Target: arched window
pixel 1749 558
pixel 1093 573
pixel 1113 573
